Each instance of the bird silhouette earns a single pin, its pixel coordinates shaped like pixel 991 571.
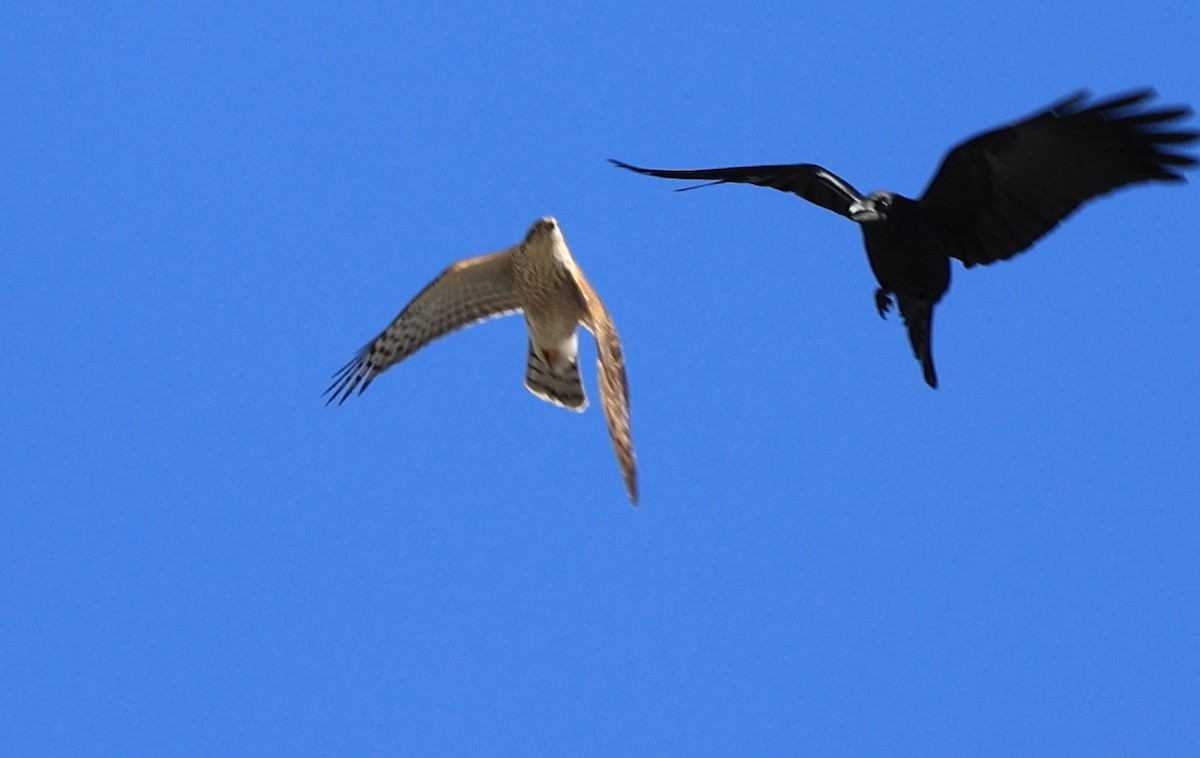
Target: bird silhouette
pixel 538 277
pixel 994 195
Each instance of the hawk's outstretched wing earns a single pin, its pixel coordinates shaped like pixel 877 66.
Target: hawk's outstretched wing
pixel 614 388
pixel 468 291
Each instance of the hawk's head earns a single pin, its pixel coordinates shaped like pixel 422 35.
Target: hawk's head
pixel 546 225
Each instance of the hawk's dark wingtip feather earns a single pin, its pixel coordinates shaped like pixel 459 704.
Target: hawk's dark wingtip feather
pixel 347 379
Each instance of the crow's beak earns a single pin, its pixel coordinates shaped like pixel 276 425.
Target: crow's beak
pixel 863 211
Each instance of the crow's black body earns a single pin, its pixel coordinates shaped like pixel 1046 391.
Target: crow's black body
pixel 993 196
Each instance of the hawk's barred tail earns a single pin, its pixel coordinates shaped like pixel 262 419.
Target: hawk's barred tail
pixel 561 387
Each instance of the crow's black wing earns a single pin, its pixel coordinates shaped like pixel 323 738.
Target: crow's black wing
pixel 998 192
pixel 809 181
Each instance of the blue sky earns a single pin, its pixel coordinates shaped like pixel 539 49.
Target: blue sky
pixel 207 208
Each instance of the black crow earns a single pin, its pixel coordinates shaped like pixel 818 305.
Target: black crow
pixel 993 196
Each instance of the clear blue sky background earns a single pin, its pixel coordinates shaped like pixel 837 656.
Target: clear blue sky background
pixel 205 209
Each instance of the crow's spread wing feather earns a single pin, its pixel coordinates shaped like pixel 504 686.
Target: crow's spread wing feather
pixel 996 193
pixel 809 181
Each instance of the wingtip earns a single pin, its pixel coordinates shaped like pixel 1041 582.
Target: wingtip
pixel 699 186
pixel 1113 104
pixel 1077 100
pixel 355 375
pixel 1073 99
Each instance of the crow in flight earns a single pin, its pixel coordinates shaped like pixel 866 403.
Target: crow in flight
pixel 993 196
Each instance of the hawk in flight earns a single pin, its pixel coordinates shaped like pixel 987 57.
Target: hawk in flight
pixel 995 194
pixel 538 277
